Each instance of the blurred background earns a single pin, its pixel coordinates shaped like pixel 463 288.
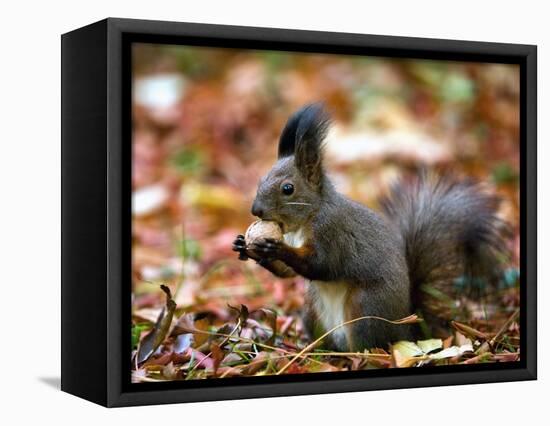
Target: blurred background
pixel 205 127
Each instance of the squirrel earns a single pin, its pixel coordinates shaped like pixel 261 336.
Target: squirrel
pixel 359 262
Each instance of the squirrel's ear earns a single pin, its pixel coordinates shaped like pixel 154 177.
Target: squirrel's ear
pixel 311 130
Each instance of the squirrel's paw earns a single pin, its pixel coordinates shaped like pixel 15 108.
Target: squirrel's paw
pixel 268 248
pixel 239 245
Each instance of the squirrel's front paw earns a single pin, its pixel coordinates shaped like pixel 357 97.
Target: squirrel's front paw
pixel 239 245
pixel 268 248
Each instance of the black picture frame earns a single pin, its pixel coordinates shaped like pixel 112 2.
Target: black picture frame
pixel 96 227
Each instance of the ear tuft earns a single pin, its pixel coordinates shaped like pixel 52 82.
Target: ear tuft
pixel 287 141
pixel 311 122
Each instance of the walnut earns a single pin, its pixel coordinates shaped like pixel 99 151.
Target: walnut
pixel 263 229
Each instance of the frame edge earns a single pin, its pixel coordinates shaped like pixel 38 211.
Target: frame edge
pixel 83 219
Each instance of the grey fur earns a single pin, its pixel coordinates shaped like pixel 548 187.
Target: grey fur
pixel 449 228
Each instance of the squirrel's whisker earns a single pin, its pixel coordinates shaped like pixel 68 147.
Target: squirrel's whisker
pixel 299 204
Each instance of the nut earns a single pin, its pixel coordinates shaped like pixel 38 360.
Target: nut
pixel 263 229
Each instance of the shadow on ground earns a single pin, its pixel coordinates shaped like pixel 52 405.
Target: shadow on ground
pixel 54 382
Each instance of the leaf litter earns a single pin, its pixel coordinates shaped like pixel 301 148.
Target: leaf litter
pixel 261 342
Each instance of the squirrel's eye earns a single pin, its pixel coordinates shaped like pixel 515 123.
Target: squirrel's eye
pixel 288 188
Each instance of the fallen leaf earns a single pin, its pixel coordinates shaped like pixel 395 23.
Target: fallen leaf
pixel 406 354
pixel 182 342
pixel 169 371
pixel 217 356
pixel 271 317
pixel 468 331
pixel 452 352
pixel 430 345
pixel 257 363
pixel 156 336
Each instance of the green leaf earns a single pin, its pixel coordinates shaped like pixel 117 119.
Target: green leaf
pixel 504 173
pixel 137 329
pixel 406 354
pixel 457 88
pixel 188 161
pixel 408 349
pixel 189 249
pixel 430 345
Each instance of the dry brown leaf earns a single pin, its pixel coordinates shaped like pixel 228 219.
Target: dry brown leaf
pixel 149 344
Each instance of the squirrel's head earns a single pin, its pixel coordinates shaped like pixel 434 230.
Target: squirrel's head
pixel 291 192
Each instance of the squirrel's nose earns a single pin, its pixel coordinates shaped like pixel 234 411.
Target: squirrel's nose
pixel 257 209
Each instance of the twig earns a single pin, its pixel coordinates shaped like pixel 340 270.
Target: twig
pixel 227 337
pixel 411 319
pixel 347 354
pixel 242 339
pixel 487 346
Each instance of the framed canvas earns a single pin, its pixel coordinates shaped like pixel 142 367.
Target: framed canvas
pixel 254 212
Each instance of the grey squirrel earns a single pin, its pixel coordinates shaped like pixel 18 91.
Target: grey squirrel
pixel 359 262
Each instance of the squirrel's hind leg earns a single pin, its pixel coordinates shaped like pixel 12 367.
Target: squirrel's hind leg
pixel 309 318
pixel 372 333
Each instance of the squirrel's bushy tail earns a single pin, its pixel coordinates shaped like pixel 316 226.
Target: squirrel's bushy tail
pixel 453 239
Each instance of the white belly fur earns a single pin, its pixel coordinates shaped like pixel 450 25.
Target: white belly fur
pixel 329 301
pixel 329 297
